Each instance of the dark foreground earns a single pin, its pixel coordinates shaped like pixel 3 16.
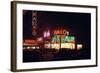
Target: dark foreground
pixel 37 55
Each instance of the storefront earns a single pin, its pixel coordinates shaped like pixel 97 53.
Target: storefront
pixel 61 39
pixel 58 39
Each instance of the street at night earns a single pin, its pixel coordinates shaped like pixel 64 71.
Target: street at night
pixel 55 36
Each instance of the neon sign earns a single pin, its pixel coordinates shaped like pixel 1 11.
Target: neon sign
pixel 46 34
pixel 29 41
pixel 63 38
pixel 59 32
pixel 69 38
pixel 56 38
pixel 68 45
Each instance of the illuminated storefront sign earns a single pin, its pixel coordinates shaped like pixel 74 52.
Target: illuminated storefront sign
pixel 69 38
pixel 79 46
pixel 68 45
pixel 60 39
pixel 56 38
pixel 57 32
pixel 34 23
pixel 63 45
pixel 63 38
pixel 29 41
pixel 55 46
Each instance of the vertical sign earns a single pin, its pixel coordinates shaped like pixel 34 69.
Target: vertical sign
pixel 34 23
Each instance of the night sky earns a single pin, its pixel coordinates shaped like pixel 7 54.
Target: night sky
pixel 78 24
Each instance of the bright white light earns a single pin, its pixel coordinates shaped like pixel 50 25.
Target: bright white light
pixel 68 45
pixel 79 46
pixel 55 46
pixel 33 47
pixel 28 47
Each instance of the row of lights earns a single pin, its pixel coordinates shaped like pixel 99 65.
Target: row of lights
pixel 31 47
pixel 64 45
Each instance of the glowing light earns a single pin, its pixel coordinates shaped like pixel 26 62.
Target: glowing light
pixel 47 45
pixel 46 34
pixel 79 46
pixel 39 39
pixel 62 39
pixel 29 41
pixel 69 38
pixel 28 47
pixel 55 46
pixel 33 47
pixel 67 33
pixel 68 45
pixel 37 47
pixel 34 23
pixel 56 38
pixel 57 32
